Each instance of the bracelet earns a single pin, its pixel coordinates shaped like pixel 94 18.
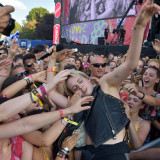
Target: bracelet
pixel 31 98
pixel 43 90
pixel 71 122
pixel 35 85
pixel 64 151
pixel 61 115
pixel 61 155
pixel 27 80
pixel 51 69
pixel 142 96
pixel 36 93
pixel 31 78
pixel 34 97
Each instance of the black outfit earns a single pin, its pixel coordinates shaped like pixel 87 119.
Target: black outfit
pixel 104 121
pixel 72 14
pixel 106 31
pixel 122 36
pixel 105 152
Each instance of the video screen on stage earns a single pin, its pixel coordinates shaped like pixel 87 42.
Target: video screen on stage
pixel 87 10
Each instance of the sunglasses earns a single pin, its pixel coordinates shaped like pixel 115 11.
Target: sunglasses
pixel 29 65
pixel 21 74
pixel 97 65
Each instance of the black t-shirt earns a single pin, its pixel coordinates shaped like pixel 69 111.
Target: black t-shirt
pixel 106 31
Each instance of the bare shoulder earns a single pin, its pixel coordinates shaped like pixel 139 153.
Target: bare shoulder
pixel 145 124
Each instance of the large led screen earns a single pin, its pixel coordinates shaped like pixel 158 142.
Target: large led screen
pixel 87 10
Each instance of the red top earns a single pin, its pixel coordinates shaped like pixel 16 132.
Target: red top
pixel 16 148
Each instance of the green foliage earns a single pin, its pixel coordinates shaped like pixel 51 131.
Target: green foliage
pixel 27 31
pixel 38 25
pixel 44 29
pixel 36 14
pixel 18 27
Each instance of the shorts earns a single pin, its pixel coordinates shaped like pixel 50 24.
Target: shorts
pixel 106 152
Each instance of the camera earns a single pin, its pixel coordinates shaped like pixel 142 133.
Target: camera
pixel 10 26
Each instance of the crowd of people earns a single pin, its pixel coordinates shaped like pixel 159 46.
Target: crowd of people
pixel 79 106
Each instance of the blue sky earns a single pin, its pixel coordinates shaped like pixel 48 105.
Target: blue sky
pixel 22 7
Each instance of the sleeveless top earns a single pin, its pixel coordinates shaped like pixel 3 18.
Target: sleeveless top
pixel 137 129
pixel 16 148
pixel 106 118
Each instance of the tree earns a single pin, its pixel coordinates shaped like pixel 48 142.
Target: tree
pixel 28 29
pixel 44 28
pixel 36 14
pixel 17 27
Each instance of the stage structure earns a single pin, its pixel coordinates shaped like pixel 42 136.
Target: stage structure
pixel 82 24
pixel 76 21
pixel 57 21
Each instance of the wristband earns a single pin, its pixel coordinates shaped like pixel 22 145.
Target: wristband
pixel 27 80
pixel 142 96
pixel 34 97
pixel 36 93
pixel 71 122
pixel 31 78
pixel 61 155
pixel 31 98
pixel 51 69
pixel 43 90
pixel 64 151
pixel 35 85
pixel 61 115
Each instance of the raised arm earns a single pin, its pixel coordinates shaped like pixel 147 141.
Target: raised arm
pixel 31 123
pixel 53 95
pixel 13 89
pixel 147 99
pixel 47 138
pixel 18 104
pixel 124 70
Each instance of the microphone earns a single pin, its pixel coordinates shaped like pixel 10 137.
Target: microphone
pixel 59 47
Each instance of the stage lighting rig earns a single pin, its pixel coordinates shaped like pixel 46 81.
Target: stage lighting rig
pixel 116 30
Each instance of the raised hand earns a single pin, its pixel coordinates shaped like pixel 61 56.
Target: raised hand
pixel 59 78
pixel 13 48
pixel 64 53
pixel 74 98
pixel 5 16
pixel 40 77
pixel 95 80
pixel 131 89
pixel 4 65
pixel 146 13
pixel 76 107
pixel 70 142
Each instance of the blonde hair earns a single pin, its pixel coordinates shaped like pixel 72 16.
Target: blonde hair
pixel 73 73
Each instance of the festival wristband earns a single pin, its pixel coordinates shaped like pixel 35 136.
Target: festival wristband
pixel 51 69
pixel 61 155
pixel 31 78
pixel 35 92
pixel 43 90
pixel 34 97
pixel 71 122
pixel 35 85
